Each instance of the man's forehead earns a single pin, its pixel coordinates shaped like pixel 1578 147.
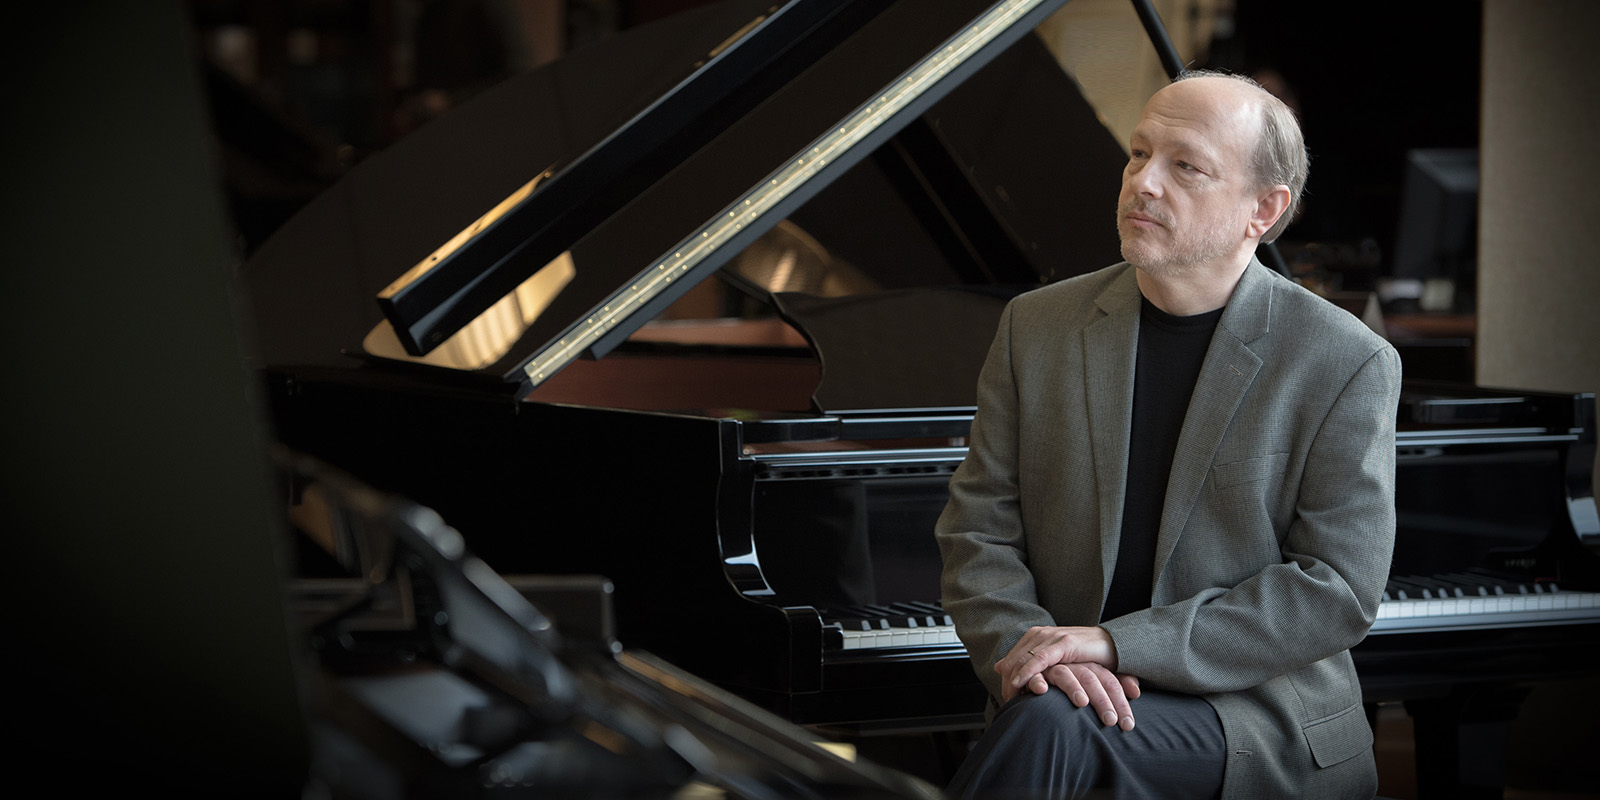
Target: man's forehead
pixel 1206 113
pixel 1179 134
pixel 1212 100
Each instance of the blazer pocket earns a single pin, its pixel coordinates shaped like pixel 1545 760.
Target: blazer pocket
pixel 1250 470
pixel 1339 737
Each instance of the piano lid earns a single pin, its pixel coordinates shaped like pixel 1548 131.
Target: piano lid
pixel 575 202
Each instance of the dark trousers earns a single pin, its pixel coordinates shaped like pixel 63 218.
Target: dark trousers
pixel 1042 746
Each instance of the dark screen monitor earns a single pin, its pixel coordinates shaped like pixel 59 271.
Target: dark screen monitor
pixel 1437 235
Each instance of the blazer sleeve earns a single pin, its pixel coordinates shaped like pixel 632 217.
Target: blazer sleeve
pixel 986 585
pixel 1323 596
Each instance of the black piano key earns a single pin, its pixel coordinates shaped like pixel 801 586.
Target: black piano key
pixel 844 626
pixel 1441 587
pixel 879 616
pixel 848 613
pixel 1471 585
pixel 1408 589
pixel 1435 588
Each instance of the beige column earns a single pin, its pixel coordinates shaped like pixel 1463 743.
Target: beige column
pixel 1538 234
pixel 1102 45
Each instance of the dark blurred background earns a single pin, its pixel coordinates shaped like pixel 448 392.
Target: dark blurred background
pixel 301 90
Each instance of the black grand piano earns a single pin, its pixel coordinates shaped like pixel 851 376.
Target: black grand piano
pixel 701 308
pixel 853 189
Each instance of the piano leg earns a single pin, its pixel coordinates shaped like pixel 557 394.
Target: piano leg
pixel 1462 740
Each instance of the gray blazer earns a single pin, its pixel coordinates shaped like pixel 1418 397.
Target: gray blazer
pixel 1274 542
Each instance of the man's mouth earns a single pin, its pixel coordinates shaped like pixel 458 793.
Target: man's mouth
pixel 1136 217
pixel 1142 220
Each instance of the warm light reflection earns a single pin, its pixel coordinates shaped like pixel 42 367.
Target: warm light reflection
pixel 488 338
pixel 788 259
pixel 466 235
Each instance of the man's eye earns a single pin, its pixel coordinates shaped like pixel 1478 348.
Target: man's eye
pixel 1186 166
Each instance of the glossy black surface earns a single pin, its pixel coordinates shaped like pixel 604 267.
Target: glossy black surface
pixel 765 47
pixel 978 158
pixel 440 678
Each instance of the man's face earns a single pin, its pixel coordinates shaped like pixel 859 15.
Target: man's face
pixel 1188 191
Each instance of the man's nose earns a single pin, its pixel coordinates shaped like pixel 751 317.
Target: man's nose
pixel 1145 180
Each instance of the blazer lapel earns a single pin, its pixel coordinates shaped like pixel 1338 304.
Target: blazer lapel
pixel 1229 368
pixel 1108 384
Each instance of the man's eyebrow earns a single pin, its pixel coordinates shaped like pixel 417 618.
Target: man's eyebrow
pixel 1196 150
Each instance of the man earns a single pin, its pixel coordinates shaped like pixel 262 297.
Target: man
pixel 1176 515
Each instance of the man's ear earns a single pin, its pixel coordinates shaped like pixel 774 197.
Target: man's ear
pixel 1269 206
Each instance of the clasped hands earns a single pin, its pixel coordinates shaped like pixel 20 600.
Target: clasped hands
pixel 1080 661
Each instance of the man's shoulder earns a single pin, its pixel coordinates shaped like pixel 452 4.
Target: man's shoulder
pixel 1317 335
pixel 1078 290
pixel 1298 311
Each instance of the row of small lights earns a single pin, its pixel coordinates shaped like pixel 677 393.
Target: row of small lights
pixel 759 201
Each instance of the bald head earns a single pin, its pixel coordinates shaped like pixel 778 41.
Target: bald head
pixel 1278 155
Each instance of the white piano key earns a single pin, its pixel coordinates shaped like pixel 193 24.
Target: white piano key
pixel 881 638
pixel 1542 607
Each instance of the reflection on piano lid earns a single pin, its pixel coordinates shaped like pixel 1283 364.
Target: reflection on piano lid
pixel 490 336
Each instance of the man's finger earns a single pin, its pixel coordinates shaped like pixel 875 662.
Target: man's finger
pixel 1031 662
pixel 1063 678
pixel 1038 685
pixel 1116 690
pixel 1100 696
pixel 1130 686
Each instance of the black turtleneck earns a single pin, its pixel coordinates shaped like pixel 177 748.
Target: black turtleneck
pixel 1170 352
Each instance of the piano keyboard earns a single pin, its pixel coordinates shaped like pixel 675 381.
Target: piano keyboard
pixel 1457 601
pixel 873 627
pixel 1479 600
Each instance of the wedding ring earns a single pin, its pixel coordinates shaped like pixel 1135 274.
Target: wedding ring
pixel 1031 653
